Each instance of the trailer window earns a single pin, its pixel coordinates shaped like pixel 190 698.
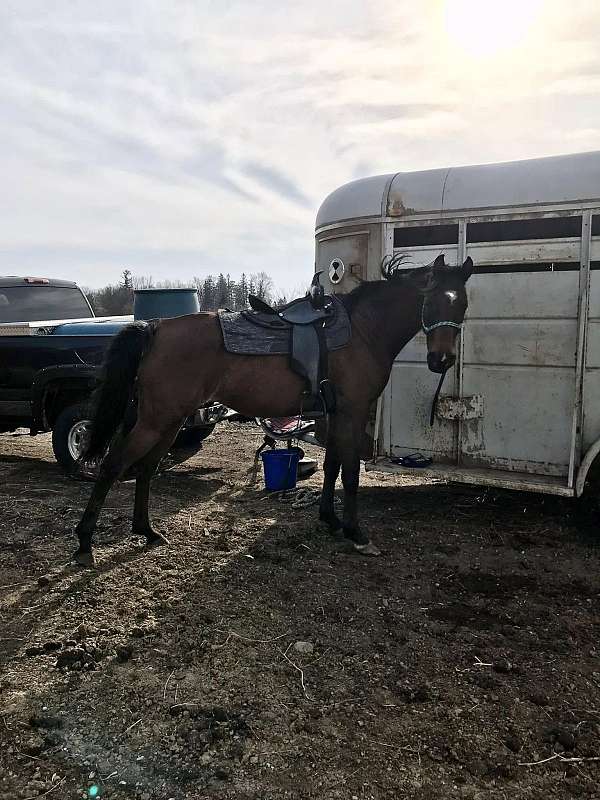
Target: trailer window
pixel 423 235
pixel 596 225
pixel 519 229
pixel 548 266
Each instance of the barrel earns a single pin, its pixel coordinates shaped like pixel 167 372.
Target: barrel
pixel 162 303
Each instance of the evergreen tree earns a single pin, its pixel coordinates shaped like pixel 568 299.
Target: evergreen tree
pixel 240 295
pixel 222 292
pixel 222 298
pixel 208 294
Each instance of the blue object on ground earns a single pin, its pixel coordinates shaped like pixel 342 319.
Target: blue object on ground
pixel 414 460
pixel 281 469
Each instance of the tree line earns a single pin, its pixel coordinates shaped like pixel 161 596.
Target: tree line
pixel 214 292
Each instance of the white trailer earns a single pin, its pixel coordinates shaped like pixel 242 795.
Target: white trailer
pixel 521 409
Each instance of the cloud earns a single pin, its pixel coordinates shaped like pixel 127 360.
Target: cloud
pixel 191 137
pixel 275 181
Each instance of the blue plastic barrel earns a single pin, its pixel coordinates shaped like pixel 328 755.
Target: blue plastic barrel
pixel 163 303
pixel 281 469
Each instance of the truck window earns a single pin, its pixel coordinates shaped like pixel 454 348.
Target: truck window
pixel 31 303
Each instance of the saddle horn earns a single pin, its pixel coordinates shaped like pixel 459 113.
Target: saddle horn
pixel 316 291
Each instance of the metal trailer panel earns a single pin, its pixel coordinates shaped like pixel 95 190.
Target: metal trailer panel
pixel 412 387
pixel 481 477
pixel 518 359
pixel 591 384
pixel 558 179
pixel 358 247
pixel 358 199
pixel 528 375
pixel 512 185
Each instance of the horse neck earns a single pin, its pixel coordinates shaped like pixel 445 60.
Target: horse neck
pixel 389 317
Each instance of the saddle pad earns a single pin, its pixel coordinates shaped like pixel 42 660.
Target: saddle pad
pixel 245 333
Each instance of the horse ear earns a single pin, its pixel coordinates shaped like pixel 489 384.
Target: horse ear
pixel 439 265
pixel 467 268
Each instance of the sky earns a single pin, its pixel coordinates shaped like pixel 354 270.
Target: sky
pixel 178 138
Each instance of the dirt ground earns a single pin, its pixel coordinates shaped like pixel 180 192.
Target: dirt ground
pixel 256 657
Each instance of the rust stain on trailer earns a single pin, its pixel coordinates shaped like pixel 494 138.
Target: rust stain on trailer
pixel 396 208
pixel 463 408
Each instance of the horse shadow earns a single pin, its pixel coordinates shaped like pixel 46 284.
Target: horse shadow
pixel 252 531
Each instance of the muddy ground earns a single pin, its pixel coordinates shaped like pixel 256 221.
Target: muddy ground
pixel 440 670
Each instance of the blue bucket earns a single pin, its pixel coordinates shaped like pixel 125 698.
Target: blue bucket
pixel 281 469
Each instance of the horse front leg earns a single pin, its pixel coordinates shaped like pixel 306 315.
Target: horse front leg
pixel 331 469
pixel 123 453
pixel 349 447
pixel 86 527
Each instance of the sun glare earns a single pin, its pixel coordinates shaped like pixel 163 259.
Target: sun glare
pixel 486 27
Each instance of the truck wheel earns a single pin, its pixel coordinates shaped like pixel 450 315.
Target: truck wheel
pixel 189 438
pixel 69 435
pixel 187 444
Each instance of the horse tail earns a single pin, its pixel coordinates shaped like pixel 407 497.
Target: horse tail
pixel 116 391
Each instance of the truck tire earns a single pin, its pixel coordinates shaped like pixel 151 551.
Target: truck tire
pixel 188 438
pixel 68 435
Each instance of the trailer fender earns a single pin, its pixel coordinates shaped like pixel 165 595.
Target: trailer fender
pixel 584 467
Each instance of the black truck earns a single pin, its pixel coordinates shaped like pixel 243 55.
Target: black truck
pixel 51 351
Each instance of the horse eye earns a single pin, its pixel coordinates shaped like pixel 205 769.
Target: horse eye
pixel 451 295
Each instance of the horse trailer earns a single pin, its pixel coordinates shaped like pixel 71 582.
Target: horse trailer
pixel 521 408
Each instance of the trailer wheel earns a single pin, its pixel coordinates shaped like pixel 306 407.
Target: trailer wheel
pixel 69 435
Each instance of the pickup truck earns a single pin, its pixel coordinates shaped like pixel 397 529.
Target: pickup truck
pixel 51 351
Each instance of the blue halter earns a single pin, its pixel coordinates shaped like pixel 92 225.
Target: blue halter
pixel 444 324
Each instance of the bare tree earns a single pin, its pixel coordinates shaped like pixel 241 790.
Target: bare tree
pixel 262 285
pixel 143 282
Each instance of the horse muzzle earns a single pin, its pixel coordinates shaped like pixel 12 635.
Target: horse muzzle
pixel 440 362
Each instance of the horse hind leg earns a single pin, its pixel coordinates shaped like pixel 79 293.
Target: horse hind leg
pixel 142 526
pixel 123 453
pixel 348 434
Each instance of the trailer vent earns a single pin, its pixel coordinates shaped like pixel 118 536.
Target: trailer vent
pixel 424 235
pixel 515 230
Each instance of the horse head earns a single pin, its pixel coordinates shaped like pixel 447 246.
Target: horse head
pixel 444 307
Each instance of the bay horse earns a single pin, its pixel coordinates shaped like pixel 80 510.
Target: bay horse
pixel 164 370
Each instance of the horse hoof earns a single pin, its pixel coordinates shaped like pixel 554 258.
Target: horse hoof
pixel 156 541
pixel 368 549
pixel 84 559
pixel 330 524
pixel 325 529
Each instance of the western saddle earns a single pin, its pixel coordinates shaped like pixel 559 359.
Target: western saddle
pixel 306 318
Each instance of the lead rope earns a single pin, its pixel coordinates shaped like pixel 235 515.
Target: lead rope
pixel 436 396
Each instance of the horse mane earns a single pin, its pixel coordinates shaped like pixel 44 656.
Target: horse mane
pixel 391 273
pixel 367 289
